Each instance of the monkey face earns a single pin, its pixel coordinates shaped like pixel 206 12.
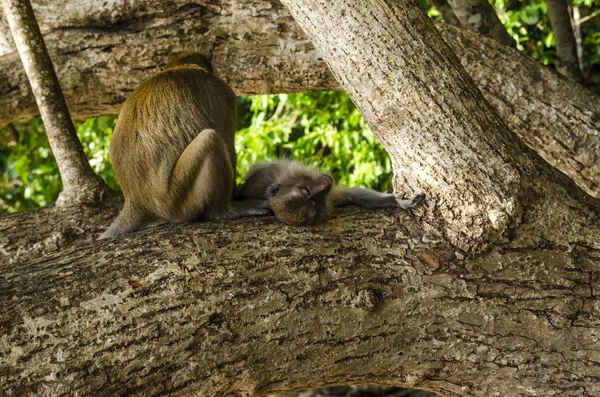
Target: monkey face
pixel 302 200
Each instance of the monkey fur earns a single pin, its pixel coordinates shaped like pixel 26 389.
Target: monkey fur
pixel 299 195
pixel 173 149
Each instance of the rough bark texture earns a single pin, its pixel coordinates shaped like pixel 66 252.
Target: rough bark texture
pixel 260 49
pixel 566 62
pixel 480 16
pixel 102 50
pixel 253 307
pixel 489 289
pixel 532 99
pixel 78 178
pixel 446 12
pixel 426 107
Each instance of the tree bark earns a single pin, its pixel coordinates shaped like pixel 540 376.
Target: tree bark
pixel 566 62
pixel 437 114
pixel 479 16
pixel 80 182
pixel 489 288
pixel 253 307
pixel 559 119
pixel 260 49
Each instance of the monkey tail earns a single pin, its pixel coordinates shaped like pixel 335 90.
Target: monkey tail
pixel 128 220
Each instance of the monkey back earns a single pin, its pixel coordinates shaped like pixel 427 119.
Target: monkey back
pixel 157 123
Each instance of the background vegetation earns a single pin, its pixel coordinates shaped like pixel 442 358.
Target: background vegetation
pixel 322 129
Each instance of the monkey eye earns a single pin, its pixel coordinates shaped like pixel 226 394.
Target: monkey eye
pixel 273 189
pixel 304 192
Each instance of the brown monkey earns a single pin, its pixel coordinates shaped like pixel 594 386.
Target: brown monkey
pixel 299 195
pixel 172 149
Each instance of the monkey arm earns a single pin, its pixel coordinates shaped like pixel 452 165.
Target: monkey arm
pixel 257 207
pixel 367 198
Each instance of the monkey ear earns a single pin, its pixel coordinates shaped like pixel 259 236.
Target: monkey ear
pixel 273 189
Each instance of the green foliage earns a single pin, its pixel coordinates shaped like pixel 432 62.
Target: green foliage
pixel 324 130
pixel 29 174
pixel 528 22
pixel 95 134
pixel 590 31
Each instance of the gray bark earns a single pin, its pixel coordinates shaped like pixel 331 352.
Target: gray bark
pixel 490 288
pixel 480 16
pixel 559 119
pixel 400 96
pixel 260 49
pixel 79 180
pixel 253 307
pixel 566 62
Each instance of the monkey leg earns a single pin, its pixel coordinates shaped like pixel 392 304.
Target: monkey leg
pixel 201 182
pixel 411 203
pixel 368 198
pixel 128 220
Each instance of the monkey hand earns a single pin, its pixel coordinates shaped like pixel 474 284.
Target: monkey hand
pixel 411 203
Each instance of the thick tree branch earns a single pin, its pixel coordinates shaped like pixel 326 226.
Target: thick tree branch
pixel 260 49
pixel 422 105
pixel 557 118
pixel 252 307
pixel 78 178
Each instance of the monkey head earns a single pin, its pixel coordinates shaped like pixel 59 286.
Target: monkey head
pixel 300 198
pixel 193 58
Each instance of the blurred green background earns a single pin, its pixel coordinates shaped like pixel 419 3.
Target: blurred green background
pixel 322 129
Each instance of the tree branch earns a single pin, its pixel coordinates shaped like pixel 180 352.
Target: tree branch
pixel 422 105
pixel 78 178
pixel 566 62
pixel 252 307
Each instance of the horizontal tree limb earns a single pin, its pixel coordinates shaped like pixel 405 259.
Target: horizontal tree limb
pixel 253 307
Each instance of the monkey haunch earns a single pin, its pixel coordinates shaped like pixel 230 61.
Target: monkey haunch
pixel 299 195
pixel 173 150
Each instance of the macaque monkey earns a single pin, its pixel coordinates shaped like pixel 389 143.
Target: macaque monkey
pixel 299 195
pixel 173 152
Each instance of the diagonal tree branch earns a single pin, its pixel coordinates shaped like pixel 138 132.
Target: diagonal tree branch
pixel 422 105
pixel 79 180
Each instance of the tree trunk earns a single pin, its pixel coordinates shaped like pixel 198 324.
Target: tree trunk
pixel 479 16
pixel 566 62
pixel 422 105
pixel 260 49
pixel 80 182
pixel 490 288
